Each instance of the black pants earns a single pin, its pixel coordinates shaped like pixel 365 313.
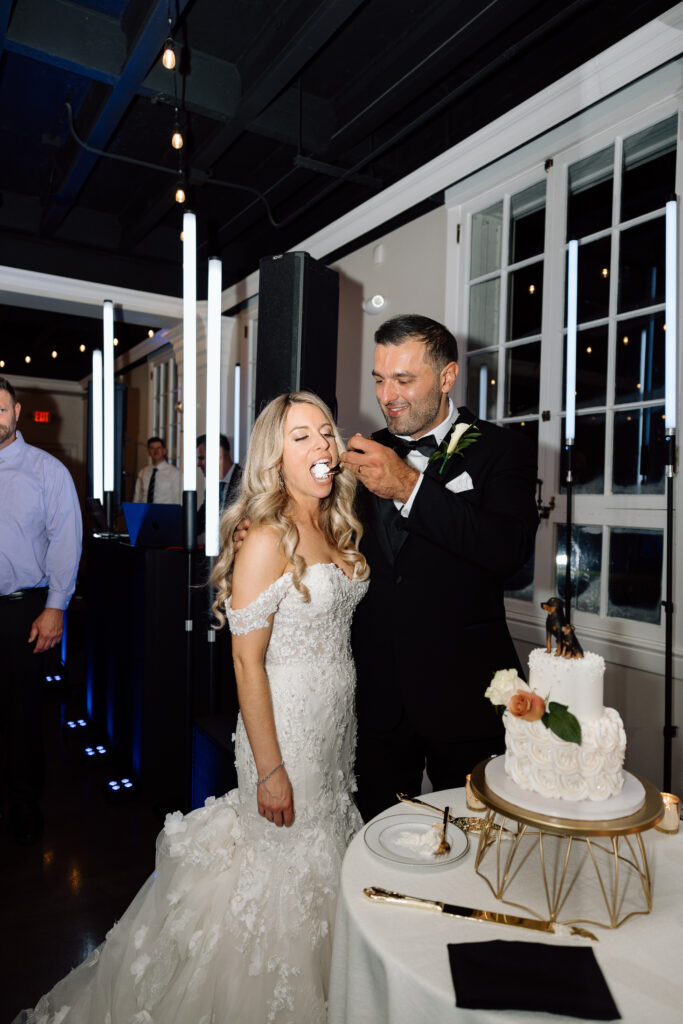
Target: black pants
pixel 393 761
pixel 21 687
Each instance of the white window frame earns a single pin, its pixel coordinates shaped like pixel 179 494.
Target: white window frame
pixel 608 123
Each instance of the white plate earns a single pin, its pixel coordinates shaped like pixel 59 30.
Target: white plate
pixel 386 838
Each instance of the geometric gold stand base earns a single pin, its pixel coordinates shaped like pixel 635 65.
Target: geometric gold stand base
pixel 574 871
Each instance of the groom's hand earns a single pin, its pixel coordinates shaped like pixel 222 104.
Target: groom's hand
pixel 381 470
pixel 240 532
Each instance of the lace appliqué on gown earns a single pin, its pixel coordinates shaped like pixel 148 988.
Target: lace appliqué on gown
pixel 235 923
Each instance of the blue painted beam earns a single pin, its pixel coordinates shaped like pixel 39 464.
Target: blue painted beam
pixel 140 59
pixel 5 15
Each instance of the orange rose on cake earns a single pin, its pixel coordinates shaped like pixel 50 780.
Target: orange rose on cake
pixel 527 705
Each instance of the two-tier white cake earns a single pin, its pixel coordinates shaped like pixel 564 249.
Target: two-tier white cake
pixel 538 760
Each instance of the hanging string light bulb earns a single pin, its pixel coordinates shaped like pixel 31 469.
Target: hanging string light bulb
pixel 180 193
pixel 168 56
pixel 177 140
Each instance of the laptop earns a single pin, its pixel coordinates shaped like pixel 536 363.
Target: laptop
pixel 154 526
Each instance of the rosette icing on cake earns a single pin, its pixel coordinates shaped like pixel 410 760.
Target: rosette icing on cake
pixel 538 760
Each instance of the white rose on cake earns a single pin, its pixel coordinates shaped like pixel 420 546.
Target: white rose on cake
pixel 504 684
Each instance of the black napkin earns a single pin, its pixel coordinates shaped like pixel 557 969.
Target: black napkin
pixel 503 975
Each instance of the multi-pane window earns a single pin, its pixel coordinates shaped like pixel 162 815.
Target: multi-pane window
pixel 505 309
pixel 615 209
pixel 505 321
pixel 612 202
pixel 165 403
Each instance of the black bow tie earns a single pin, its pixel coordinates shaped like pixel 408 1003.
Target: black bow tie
pixel 425 445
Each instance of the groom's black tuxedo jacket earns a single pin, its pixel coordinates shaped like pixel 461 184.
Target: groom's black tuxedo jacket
pixel 431 631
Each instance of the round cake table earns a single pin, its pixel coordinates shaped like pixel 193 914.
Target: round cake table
pixel 390 963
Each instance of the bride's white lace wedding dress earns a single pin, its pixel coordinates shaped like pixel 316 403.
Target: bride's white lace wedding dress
pixel 235 923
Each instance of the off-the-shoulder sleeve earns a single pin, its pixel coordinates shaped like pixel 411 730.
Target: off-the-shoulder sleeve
pixel 256 614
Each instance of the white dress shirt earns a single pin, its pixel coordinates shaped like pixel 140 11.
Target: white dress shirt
pixel 416 460
pixel 168 485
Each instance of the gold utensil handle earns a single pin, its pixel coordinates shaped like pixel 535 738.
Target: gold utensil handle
pixel 374 892
pixel 466 824
pixel 405 799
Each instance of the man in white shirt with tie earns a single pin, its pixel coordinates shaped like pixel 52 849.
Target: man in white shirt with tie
pixel 160 483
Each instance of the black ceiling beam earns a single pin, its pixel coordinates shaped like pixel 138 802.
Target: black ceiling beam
pixel 503 56
pixel 276 66
pixel 269 68
pixel 416 62
pixel 146 49
pixel 213 90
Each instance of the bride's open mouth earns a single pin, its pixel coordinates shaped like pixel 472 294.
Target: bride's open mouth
pixel 322 470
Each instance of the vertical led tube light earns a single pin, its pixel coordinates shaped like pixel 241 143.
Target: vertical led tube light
pixel 96 420
pixel 189 351
pixel 108 394
pixel 572 295
pixel 213 405
pixel 483 382
pixel 671 315
pixel 237 413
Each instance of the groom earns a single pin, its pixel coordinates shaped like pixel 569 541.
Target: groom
pixel 441 537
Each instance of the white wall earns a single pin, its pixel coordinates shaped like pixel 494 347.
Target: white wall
pixel 65 435
pixel 406 266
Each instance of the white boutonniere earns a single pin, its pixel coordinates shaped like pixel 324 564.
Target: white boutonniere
pixel 461 436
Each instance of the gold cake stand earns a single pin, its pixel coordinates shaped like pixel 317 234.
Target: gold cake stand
pixel 516 843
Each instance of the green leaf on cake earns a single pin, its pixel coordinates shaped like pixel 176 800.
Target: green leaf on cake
pixel 559 719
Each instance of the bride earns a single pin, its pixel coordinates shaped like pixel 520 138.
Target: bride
pixel 235 923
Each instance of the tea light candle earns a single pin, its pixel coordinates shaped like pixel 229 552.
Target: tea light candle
pixel 473 804
pixel 672 814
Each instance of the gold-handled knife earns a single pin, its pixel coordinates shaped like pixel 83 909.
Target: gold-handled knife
pixel 378 895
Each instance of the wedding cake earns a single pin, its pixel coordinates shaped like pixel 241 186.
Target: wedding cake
pixel 587 765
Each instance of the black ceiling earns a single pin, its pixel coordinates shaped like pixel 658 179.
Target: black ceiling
pixel 293 111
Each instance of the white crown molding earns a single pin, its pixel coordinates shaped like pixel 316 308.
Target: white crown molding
pixel 54 386
pixel 34 289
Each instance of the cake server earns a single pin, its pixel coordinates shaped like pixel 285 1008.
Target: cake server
pixel 379 895
pixel 466 824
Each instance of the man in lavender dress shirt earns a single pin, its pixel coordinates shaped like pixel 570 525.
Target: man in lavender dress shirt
pixel 40 548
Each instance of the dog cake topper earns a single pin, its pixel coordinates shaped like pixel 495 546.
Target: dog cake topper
pixel 556 625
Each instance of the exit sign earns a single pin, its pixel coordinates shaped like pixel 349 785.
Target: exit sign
pixel 41 416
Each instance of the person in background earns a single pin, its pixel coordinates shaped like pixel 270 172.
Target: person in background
pixel 40 549
pixel 160 482
pixel 229 476
pixel 229 472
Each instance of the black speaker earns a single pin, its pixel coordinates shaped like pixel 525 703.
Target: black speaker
pixel 297 328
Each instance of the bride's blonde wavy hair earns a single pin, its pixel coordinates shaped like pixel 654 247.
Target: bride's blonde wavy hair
pixel 264 500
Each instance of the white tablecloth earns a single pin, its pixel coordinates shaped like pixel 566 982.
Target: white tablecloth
pixel 390 964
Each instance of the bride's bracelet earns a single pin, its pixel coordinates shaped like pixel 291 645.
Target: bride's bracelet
pixel 265 778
